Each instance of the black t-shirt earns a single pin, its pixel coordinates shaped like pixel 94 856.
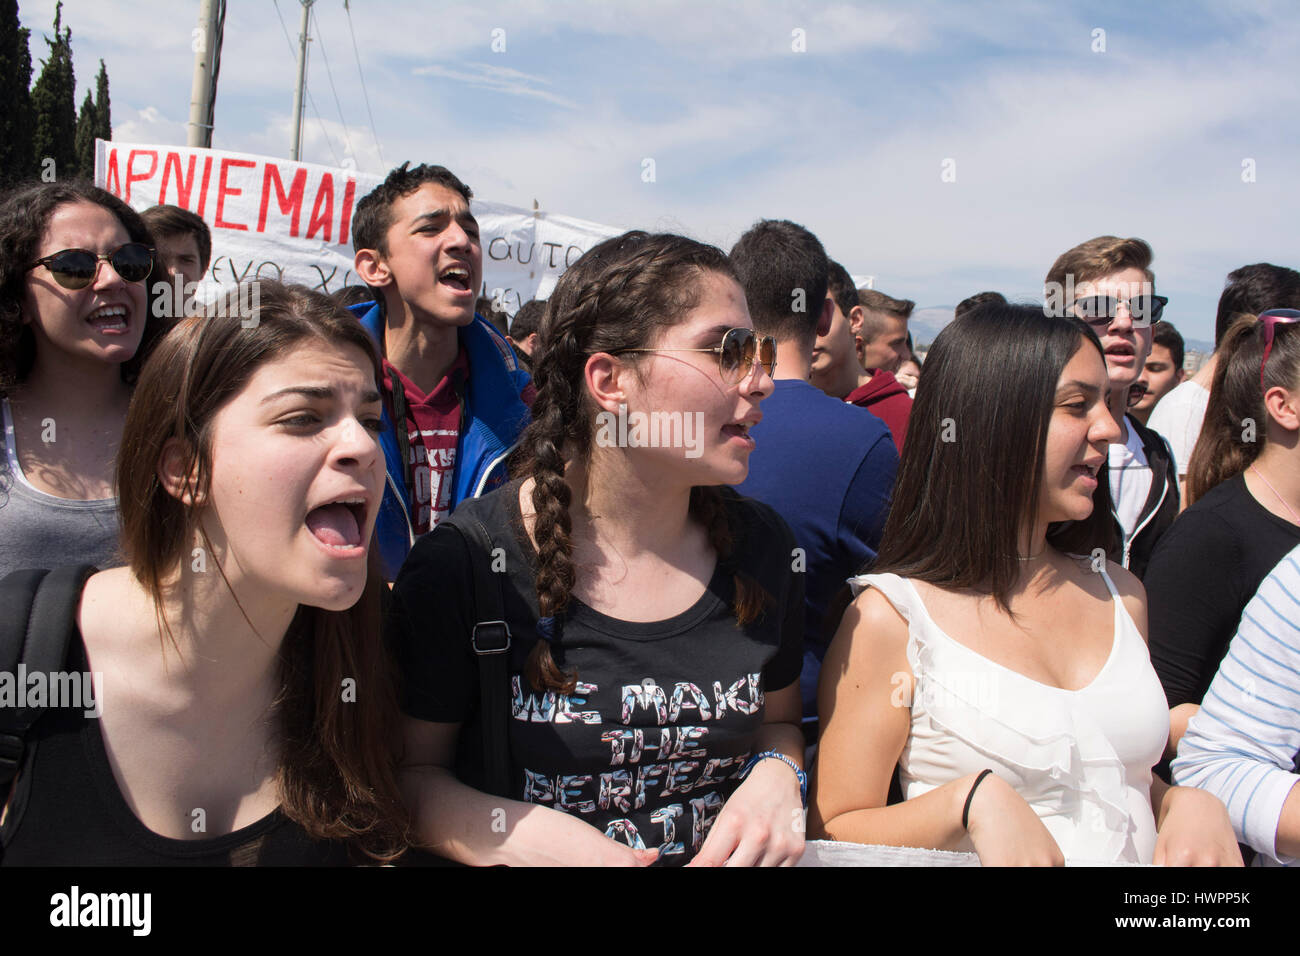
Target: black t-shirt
pixel 1203 574
pixel 68 811
pixel 665 713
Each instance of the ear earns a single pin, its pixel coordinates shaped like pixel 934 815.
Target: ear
pixel 371 268
pixel 172 473
pixel 606 380
pixel 1283 407
pixel 828 313
pixel 855 317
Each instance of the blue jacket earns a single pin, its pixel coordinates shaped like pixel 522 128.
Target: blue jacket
pixel 495 415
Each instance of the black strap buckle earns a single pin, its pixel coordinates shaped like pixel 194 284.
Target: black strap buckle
pixel 11 751
pixel 491 637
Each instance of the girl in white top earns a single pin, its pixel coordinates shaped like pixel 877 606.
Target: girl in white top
pixel 1005 675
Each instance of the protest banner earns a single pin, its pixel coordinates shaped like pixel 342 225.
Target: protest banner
pixel 278 219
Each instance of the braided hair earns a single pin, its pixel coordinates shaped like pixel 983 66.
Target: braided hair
pixel 617 296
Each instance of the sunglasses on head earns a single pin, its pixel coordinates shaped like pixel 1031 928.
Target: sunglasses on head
pixel 1271 320
pixel 1100 310
pixel 736 354
pixel 77 268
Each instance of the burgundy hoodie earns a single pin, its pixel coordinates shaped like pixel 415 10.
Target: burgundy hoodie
pixel 885 398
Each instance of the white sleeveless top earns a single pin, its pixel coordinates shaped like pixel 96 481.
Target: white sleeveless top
pixel 1081 759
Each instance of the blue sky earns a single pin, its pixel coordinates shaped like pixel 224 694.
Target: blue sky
pixel 1052 141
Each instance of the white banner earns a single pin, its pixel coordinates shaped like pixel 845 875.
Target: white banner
pixel 277 219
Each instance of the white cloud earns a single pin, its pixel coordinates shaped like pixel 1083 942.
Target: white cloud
pixel 497 79
pixel 149 125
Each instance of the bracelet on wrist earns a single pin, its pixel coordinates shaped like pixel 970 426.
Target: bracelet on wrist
pixel 965 812
pixel 803 777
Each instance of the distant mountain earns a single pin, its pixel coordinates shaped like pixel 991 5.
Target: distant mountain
pixel 927 321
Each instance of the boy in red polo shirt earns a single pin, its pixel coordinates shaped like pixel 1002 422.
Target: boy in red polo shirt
pixel 837 372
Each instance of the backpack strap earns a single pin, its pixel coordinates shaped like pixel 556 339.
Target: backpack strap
pixel 36 631
pixel 491 643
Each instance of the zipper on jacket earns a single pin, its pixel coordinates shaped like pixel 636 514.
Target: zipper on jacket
pixel 487 473
pixel 1129 539
pixel 410 531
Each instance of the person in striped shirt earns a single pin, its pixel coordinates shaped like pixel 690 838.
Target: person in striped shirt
pixel 1243 745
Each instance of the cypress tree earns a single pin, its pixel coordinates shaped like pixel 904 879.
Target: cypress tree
pixel 86 123
pixel 15 100
pixel 103 112
pixel 54 103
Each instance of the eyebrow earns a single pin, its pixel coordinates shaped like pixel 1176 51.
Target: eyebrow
pixel 1085 387
pixel 716 332
pixel 368 397
pixel 466 216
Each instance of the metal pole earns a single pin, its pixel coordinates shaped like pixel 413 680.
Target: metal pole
pixel 296 146
pixel 206 44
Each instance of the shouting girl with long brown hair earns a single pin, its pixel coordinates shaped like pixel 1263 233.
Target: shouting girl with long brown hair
pixel 247 704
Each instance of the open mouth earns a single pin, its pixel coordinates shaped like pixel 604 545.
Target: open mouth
pixel 740 429
pixel 1089 471
pixel 109 318
pixel 338 524
pixel 457 277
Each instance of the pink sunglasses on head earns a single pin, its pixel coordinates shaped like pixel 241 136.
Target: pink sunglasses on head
pixel 1272 319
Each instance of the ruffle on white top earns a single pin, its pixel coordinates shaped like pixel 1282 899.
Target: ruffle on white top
pixel 1081 759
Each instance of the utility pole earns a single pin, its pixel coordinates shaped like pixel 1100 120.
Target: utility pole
pixel 296 146
pixel 207 60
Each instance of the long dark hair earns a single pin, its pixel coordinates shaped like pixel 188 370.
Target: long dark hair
pixel 972 468
pixel 1234 431
pixel 617 296
pixel 24 216
pixel 338 776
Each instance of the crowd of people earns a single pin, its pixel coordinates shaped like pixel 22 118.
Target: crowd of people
pixel 372 578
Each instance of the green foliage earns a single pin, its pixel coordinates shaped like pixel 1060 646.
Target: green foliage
pixel 85 145
pixel 16 119
pixel 103 112
pixel 53 101
pixel 43 123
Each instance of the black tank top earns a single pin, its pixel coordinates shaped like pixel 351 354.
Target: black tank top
pixel 68 811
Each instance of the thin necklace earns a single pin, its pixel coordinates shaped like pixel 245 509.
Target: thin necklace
pixel 1032 556
pixel 1294 517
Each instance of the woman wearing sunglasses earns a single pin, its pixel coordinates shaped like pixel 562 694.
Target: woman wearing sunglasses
pixel 994 655
pixel 1243 484
pixel 655 621
pixel 75 325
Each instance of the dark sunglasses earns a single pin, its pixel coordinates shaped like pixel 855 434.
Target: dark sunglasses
pixel 77 268
pixel 736 354
pixel 1100 310
pixel 1271 320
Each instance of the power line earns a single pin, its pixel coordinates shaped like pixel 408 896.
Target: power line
pixel 320 38
pixel 356 53
pixel 310 99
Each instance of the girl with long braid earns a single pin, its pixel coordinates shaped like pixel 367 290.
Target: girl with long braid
pixel 655 617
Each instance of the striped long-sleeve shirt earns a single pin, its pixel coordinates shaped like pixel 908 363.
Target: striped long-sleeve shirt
pixel 1242 746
